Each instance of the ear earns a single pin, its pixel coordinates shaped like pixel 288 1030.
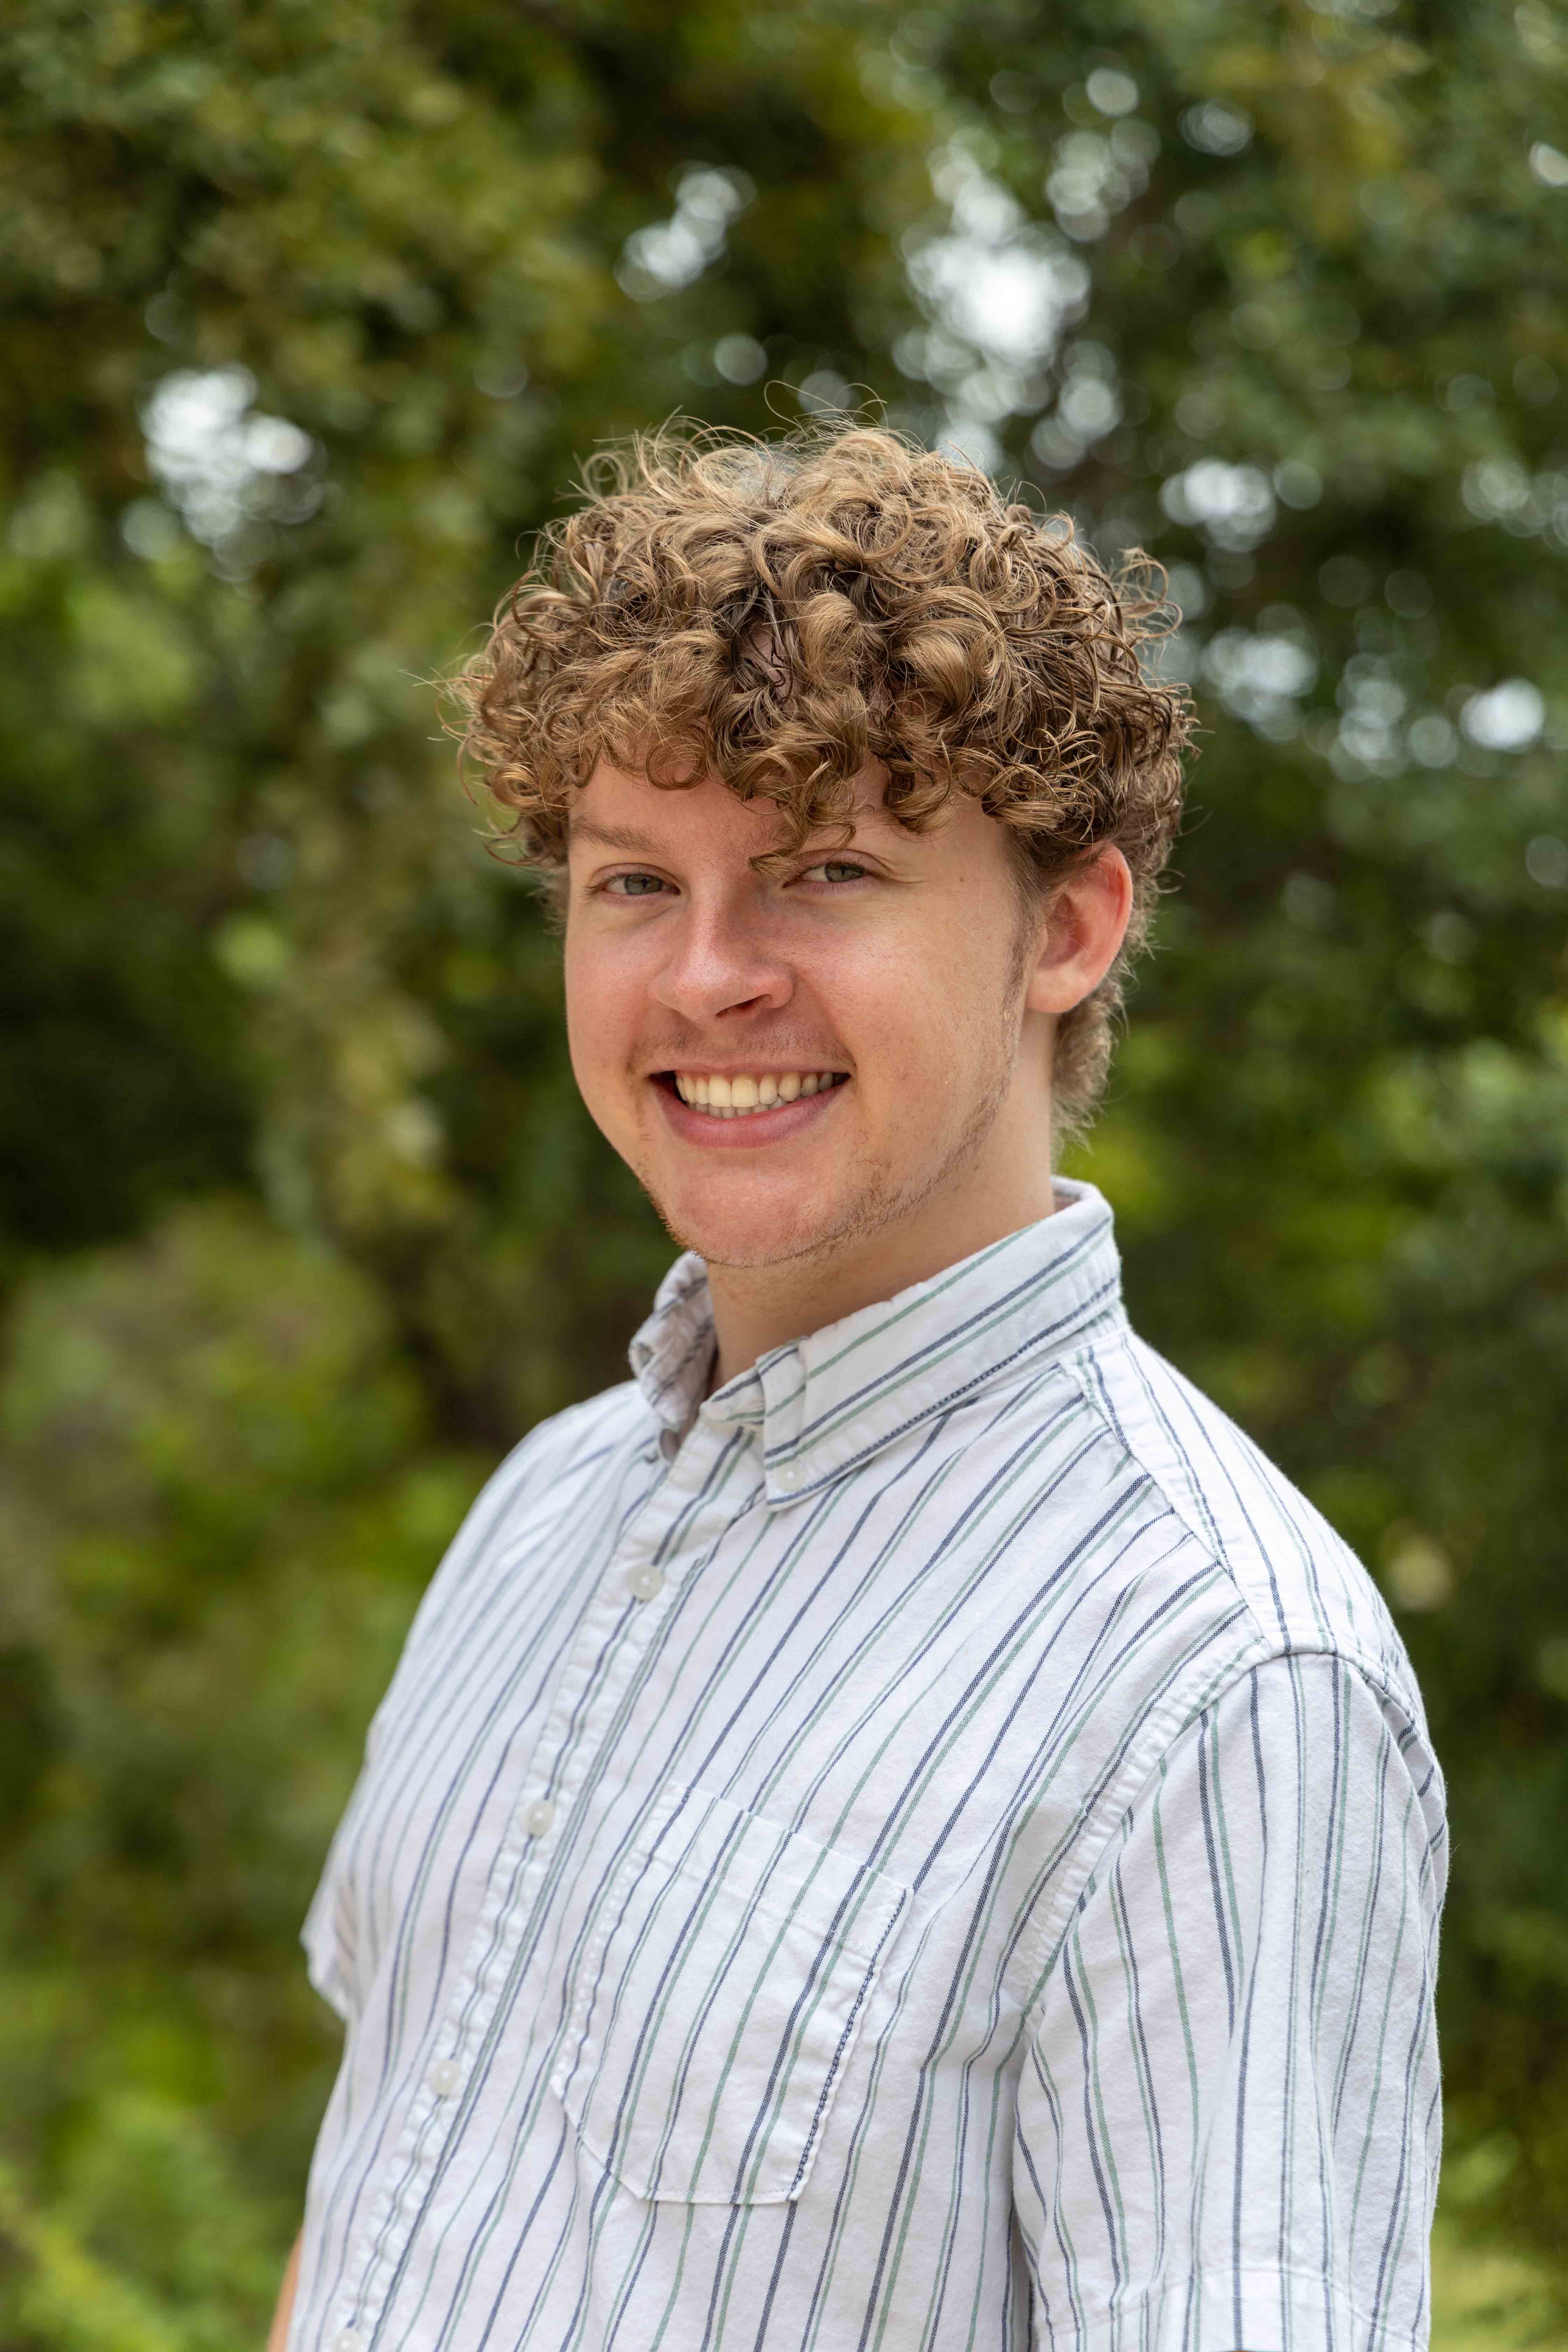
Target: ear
pixel 1085 921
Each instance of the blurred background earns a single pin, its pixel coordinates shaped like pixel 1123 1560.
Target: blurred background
pixel 309 311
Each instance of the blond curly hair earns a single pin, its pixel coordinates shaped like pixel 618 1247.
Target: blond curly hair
pixel 780 613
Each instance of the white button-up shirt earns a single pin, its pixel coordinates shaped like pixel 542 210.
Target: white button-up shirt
pixel 935 1845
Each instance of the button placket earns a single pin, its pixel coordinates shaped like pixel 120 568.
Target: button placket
pixel 612 1639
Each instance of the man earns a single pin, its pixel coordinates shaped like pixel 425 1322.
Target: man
pixel 897 1827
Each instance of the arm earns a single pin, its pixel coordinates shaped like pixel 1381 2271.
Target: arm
pixel 1227 2116
pixel 278 2335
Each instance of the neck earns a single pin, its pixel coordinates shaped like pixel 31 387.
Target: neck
pixel 757 1309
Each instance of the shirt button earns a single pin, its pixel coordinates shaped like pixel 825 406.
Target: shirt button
pixel 645 1581
pixel 347 2339
pixel 537 1817
pixel 789 1475
pixel 445 2077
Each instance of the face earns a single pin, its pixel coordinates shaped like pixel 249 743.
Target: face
pixel 793 1061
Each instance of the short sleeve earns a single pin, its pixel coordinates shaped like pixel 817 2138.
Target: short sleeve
pixel 328 1933
pixel 1229 2119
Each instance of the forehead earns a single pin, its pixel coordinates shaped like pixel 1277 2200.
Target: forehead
pixel 618 808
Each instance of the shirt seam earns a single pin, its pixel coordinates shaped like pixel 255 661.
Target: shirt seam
pixel 1353 1653
pixel 1165 1726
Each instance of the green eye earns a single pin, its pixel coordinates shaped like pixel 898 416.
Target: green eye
pixel 635 886
pixel 839 869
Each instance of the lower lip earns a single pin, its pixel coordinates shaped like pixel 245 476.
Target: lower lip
pixel 779 1124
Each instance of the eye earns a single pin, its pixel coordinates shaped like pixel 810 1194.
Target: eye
pixel 836 870
pixel 634 886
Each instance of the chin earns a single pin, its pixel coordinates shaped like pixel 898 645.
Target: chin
pixel 745 1242
pixel 730 1232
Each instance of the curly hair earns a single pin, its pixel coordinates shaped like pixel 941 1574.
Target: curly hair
pixel 781 613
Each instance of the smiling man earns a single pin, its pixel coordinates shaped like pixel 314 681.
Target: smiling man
pixel 896 1827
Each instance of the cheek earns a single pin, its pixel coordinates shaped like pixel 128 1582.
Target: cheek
pixel 912 1010
pixel 600 1014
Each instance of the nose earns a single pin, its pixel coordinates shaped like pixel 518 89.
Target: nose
pixel 721 961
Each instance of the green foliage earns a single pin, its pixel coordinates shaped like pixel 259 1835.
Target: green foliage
pixel 223 1495
pixel 300 1221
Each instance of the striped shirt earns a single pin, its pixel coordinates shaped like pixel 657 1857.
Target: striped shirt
pixel 934 1845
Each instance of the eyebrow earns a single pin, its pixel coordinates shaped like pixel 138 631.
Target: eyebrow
pixel 636 844
pixel 614 836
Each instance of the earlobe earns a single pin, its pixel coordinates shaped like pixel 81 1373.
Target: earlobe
pixel 1085 925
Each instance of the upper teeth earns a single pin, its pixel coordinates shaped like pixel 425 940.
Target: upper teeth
pixel 738 1098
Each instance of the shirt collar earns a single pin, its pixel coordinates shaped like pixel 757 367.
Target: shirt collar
pixel 826 1404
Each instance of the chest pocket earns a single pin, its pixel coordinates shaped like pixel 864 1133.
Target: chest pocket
pixel 718 2001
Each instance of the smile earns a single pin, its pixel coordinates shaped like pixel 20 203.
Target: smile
pixel 742 1095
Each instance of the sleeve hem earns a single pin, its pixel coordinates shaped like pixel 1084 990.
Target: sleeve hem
pixel 1235 2311
pixel 322 1958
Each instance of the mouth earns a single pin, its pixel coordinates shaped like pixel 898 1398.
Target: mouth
pixel 741 1094
pixel 707 1105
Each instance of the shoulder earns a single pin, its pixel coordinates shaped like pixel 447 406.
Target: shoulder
pixel 576 1442
pixel 1303 1586
pixel 555 1461
pixel 540 1483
